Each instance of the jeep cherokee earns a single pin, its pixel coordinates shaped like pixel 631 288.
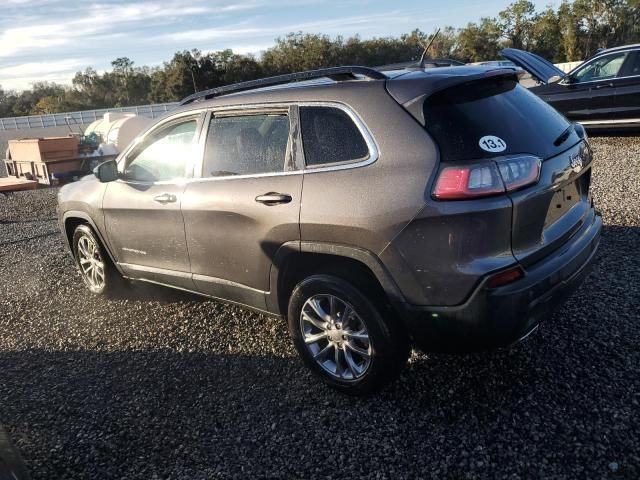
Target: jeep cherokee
pixel 446 209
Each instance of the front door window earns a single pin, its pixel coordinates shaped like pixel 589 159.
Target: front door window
pixel 602 68
pixel 166 155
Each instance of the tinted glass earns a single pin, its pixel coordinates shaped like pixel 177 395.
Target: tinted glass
pixel 501 113
pixel 602 68
pixel 246 145
pixel 329 135
pixel 167 155
pixel 632 67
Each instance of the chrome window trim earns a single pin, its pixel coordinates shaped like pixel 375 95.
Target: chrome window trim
pixel 196 113
pixel 372 147
pixel 629 48
pixel 364 130
pixel 562 82
pixel 240 111
pixel 373 156
pixel 588 62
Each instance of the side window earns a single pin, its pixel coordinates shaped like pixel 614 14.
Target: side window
pixel 602 68
pixel 246 145
pixel 632 66
pixel 329 135
pixel 165 155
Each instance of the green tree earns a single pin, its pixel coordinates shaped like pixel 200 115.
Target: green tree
pixel 478 42
pixel 573 31
pixel 516 23
pixel 547 36
pixel 569 31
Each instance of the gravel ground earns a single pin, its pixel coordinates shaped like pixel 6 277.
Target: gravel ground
pixel 159 384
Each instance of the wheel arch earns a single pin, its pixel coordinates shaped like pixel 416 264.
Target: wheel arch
pixel 294 261
pixel 72 219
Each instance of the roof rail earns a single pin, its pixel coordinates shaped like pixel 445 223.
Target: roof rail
pixel 334 73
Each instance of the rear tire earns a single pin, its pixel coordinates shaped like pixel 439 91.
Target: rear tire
pixel 97 270
pixel 343 337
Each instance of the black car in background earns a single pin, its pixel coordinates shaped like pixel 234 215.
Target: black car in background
pixel 604 91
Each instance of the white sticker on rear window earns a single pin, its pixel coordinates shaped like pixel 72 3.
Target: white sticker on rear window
pixel 492 144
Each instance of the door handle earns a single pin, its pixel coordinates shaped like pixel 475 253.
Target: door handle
pixel 165 198
pixel 604 85
pixel 273 198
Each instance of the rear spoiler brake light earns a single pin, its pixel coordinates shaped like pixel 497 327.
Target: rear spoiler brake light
pixel 501 72
pixel 412 91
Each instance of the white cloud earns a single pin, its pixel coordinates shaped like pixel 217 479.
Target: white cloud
pixel 364 23
pixel 38 36
pixel 37 68
pixel 21 83
pixel 95 19
pixel 18 77
pixel 15 40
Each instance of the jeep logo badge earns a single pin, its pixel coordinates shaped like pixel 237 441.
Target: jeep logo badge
pixel 576 163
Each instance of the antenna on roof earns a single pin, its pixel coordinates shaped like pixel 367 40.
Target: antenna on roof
pixel 423 57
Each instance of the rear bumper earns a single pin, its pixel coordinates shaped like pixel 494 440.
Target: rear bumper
pixel 493 317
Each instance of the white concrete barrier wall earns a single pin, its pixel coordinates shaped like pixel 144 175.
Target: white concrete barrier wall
pixel 568 66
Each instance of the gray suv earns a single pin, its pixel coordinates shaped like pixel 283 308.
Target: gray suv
pixel 446 209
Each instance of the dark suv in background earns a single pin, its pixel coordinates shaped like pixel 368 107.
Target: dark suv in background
pixel 602 92
pixel 447 209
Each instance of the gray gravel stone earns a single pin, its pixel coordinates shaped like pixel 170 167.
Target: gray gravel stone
pixel 160 384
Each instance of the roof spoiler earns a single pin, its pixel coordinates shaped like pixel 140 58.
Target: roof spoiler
pixel 410 91
pixel 334 73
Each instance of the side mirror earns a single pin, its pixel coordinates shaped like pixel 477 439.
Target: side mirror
pixel 106 171
pixel 555 78
pixel 570 80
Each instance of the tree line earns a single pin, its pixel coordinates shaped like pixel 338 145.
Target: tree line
pixel 573 31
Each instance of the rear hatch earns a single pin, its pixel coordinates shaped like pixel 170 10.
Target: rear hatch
pixel 539 68
pixel 516 122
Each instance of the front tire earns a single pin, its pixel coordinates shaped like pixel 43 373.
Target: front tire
pixel 97 271
pixel 343 337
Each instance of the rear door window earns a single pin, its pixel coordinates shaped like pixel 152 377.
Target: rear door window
pixel 329 135
pixel 631 67
pixel 246 145
pixel 492 117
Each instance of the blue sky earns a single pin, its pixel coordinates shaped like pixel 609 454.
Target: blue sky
pixel 52 39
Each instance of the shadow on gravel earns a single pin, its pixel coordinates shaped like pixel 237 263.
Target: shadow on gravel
pixel 562 404
pixel 154 293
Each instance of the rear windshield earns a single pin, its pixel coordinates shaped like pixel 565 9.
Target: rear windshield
pixel 493 117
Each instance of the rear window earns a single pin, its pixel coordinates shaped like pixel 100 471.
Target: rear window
pixel 330 136
pixel 490 118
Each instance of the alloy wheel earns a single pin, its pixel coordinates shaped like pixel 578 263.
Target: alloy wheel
pixel 91 262
pixel 336 336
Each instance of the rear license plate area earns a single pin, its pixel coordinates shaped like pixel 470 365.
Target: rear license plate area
pixel 564 200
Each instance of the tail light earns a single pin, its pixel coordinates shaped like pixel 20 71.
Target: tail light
pixel 506 276
pixel 486 178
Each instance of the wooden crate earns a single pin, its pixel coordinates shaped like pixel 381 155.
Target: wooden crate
pixel 10 184
pixel 45 172
pixel 46 149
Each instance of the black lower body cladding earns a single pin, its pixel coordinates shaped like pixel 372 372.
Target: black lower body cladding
pixel 494 317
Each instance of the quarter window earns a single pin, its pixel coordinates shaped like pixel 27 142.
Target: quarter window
pixel 246 145
pixel 329 135
pixel 602 68
pixel 165 155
